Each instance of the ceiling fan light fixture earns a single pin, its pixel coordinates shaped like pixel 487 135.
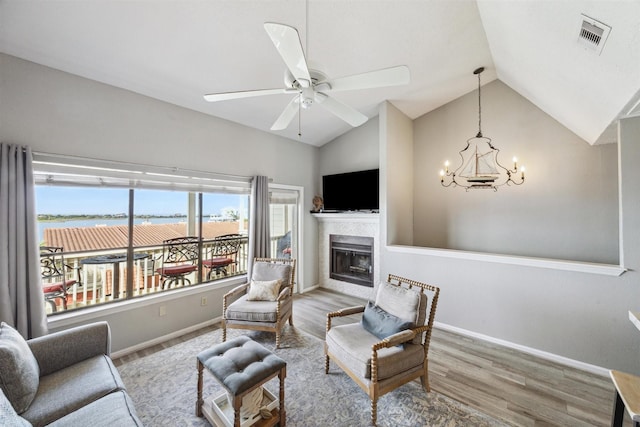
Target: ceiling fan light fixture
pixel 310 85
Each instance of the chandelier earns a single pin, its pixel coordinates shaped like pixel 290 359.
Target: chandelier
pixel 480 168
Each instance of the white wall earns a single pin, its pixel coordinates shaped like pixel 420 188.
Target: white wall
pixel 56 112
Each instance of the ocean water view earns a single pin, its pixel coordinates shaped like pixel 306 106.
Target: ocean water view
pixel 102 222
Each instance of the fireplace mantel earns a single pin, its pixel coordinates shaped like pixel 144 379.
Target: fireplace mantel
pixel 351 224
pixel 347 216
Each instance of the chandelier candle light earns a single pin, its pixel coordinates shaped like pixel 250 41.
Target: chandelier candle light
pixel 480 168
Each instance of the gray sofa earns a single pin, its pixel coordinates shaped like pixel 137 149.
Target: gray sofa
pixel 65 378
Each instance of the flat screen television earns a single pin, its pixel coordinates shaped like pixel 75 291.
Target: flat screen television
pixel 352 191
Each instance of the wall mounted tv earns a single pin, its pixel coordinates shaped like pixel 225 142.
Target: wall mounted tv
pixel 352 191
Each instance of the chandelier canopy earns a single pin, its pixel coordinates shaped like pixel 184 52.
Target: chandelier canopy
pixel 479 167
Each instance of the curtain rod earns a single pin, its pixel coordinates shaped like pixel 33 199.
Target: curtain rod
pixel 77 160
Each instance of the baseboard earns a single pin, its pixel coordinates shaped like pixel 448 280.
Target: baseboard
pixel 160 340
pixel 594 369
pixel 304 291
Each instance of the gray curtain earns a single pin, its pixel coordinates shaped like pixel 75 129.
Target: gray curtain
pixel 259 229
pixel 21 297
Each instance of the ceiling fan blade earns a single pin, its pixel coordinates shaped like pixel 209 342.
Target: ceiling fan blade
pixel 214 97
pixel 287 42
pixel 287 115
pixel 393 76
pixel 354 117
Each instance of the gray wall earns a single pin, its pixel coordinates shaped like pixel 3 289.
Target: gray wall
pixel 576 315
pixel 356 150
pixel 566 209
pixel 579 316
pixel 56 112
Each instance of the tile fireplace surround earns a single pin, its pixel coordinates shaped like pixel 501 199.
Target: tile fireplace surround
pixel 349 224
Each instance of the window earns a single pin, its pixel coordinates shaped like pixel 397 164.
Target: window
pixel 115 225
pixel 284 218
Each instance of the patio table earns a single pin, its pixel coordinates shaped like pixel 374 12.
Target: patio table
pixel 114 259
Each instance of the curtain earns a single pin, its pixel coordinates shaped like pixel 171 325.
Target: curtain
pixel 21 296
pixel 259 234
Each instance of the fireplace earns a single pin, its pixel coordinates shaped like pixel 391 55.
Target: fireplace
pixel 351 259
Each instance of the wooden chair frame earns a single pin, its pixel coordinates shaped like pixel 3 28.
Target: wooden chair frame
pixel 285 298
pixel 372 387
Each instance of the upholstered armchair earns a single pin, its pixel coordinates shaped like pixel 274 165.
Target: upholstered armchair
pixel 389 346
pixel 263 304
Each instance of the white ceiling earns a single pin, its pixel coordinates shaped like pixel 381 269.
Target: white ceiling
pixel 176 51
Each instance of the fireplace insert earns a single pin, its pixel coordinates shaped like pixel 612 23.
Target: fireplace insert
pixel 351 259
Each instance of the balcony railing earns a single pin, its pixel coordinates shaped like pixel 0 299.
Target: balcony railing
pixel 97 280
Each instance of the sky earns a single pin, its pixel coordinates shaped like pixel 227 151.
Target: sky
pixel 102 201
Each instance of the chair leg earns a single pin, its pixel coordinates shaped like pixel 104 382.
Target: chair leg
pixel 617 418
pixel 52 303
pixel 291 319
pixel 374 411
pixel 277 339
pixel 425 382
pixel 224 333
pixel 199 399
pixel 326 364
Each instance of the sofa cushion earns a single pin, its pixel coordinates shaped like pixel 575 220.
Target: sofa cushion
pixel 382 324
pixel 8 415
pixel 71 388
pixel 114 410
pixel 407 304
pixel 266 290
pixel 19 371
pixel 351 344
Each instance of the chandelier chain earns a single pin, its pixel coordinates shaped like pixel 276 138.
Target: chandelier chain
pixel 479 109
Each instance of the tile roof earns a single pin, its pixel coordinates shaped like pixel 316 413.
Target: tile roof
pixel 79 239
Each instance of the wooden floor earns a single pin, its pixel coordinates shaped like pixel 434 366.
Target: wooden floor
pixel 517 388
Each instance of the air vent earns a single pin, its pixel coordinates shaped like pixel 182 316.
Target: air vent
pixel 593 34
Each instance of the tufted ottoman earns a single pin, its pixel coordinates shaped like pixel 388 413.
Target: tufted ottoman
pixel 241 365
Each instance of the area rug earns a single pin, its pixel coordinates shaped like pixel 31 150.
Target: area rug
pixel 163 388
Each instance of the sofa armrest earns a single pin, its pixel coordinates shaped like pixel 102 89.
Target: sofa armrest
pixel 62 349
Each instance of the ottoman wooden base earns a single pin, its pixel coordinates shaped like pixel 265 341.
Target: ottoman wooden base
pixel 241 365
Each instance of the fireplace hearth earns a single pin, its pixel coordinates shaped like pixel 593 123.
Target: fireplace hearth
pixel 351 259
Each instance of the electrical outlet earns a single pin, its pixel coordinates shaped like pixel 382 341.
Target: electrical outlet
pixel 203 301
pixel 163 310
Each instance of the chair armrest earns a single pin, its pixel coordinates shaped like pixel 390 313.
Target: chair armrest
pixel 391 341
pixel 237 291
pixel 343 312
pixel 346 311
pixel 395 339
pixel 284 294
pixel 233 295
pixel 62 349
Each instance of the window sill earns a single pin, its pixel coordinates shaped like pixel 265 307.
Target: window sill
pixel 575 266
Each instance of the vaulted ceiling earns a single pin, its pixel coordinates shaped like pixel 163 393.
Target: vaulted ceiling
pixel 177 51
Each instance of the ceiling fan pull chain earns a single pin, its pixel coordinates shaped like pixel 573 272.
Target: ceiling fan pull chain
pixel 299 120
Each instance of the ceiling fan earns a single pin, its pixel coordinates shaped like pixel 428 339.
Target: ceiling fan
pixel 311 86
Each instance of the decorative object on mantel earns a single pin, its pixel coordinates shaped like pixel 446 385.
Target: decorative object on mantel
pixel 480 168
pixel 317 204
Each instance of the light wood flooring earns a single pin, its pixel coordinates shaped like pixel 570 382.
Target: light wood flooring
pixel 515 387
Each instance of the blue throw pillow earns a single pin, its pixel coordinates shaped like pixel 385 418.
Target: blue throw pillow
pixel 382 324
